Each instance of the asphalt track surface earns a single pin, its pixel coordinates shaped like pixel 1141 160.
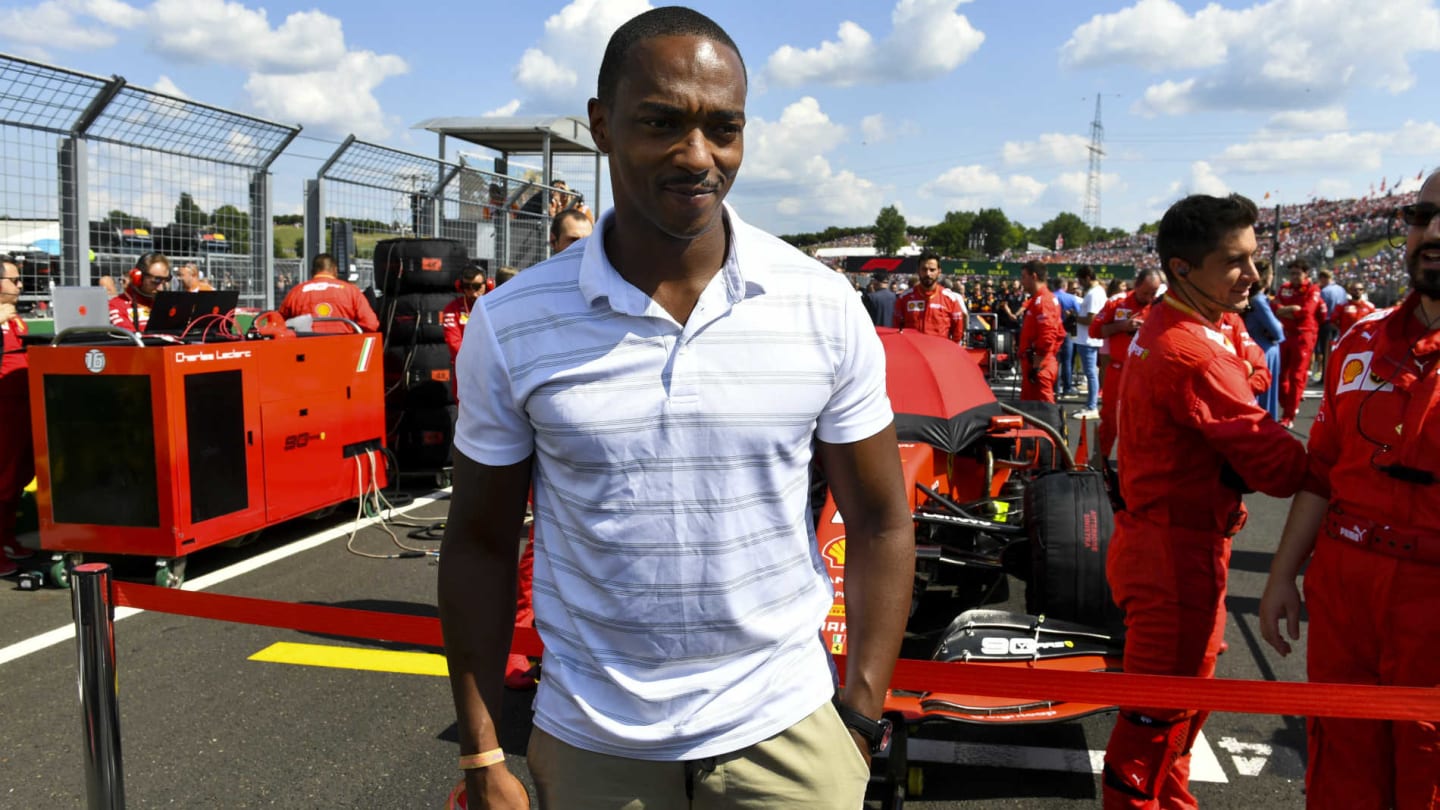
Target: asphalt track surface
pixel 205 725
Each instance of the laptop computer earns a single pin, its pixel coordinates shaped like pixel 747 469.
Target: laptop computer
pixel 173 312
pixel 80 306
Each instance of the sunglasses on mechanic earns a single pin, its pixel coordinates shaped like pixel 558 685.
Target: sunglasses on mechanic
pixel 158 279
pixel 1419 215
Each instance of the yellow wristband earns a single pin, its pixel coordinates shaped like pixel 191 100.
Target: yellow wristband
pixel 484 759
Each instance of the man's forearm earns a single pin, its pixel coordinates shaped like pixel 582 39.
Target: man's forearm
pixel 879 581
pixel 1297 540
pixel 477 617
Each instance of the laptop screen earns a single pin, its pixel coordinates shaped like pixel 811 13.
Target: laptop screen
pixel 174 311
pixel 80 306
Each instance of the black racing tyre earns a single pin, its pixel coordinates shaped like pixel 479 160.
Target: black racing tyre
pixel 421 439
pixel 419 376
pixel 405 266
pixel 1069 522
pixel 413 318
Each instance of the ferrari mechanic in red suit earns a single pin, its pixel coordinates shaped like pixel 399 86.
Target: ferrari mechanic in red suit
pixel 1299 308
pixel 1041 333
pixel 1368 520
pixel 926 308
pixel 1117 324
pixel 326 295
pixel 1192 440
pixel 17 455
pixel 131 308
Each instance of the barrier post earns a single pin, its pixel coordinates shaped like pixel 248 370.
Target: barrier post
pixel 99 691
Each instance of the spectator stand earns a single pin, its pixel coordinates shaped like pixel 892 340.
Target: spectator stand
pixel 95 171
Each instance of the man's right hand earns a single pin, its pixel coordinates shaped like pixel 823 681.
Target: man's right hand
pixel 1281 600
pixel 494 788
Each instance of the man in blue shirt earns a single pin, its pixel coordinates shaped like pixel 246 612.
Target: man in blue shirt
pixel 1069 311
pixel 1334 297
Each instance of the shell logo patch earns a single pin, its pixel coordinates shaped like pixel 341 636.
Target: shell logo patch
pixel 834 551
pixel 1355 375
pixel 324 310
pixel 1352 371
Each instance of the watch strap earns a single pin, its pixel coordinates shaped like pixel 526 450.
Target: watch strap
pixel 871 730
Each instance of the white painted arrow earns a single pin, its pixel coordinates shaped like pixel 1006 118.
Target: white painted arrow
pixel 1246 765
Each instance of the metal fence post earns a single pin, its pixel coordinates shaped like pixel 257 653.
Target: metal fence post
pixel 99 691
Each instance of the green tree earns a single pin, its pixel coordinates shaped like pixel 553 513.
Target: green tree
pixel 235 224
pixel 1066 224
pixel 187 212
pixel 889 231
pixel 120 219
pixel 951 236
pixel 993 228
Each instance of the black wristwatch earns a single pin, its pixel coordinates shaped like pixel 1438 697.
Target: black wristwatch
pixel 876 732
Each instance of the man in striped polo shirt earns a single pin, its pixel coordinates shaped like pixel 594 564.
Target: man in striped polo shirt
pixel 665 385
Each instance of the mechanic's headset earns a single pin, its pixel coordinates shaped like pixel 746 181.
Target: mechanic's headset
pixel 137 273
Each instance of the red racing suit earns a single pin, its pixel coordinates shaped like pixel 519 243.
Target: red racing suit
pixel 1350 314
pixel 452 321
pixel 1301 333
pixel 1233 327
pixel 1122 308
pixel 1041 334
pixel 1373 585
pixel 130 309
pixel 17 453
pixel 1191 438
pixel 329 297
pixel 933 313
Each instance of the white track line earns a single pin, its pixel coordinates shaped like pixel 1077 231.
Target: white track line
pixel 20 649
pixel 1204 765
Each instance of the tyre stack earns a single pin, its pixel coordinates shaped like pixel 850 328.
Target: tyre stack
pixel 418 278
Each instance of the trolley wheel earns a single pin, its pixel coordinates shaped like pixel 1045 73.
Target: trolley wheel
pixel 170 573
pixel 58 573
pixel 443 479
pixel 370 505
pixel 915 780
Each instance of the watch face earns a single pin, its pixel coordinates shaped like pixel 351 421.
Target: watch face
pixel 886 728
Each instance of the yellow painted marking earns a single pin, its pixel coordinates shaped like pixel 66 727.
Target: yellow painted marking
pixel 322 655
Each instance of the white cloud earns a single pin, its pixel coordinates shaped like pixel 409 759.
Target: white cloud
pixel 299 71
pixel 872 128
pixel 966 188
pixel 1053 147
pixel 1273 55
pixel 504 110
pixel 786 168
pixel 165 85
pixel 1067 192
pixel 1335 151
pixel 1323 119
pixel 927 39
pixel 341 99
pixel 228 33
pixel 65 24
pixel 558 72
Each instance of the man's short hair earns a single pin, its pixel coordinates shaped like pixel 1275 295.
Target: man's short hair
pixel 471 270
pixel 1194 226
pixel 926 256
pixel 1085 273
pixel 1298 264
pixel 560 218
pixel 1034 268
pixel 1325 273
pixel 1144 275
pixel 666 21
pixel 324 263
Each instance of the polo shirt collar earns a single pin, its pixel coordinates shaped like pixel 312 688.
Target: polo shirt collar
pixel 599 278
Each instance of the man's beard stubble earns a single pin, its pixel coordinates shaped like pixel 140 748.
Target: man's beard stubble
pixel 1425 282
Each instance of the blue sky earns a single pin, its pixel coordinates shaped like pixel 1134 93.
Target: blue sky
pixel 929 105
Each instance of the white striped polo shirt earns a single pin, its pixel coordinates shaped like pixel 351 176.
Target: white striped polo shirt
pixel 678 587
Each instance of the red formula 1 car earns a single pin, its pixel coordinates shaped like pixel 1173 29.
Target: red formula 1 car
pixel 995 494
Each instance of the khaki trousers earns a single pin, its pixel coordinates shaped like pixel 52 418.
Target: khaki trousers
pixel 812 764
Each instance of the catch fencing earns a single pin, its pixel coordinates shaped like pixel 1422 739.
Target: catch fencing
pixel 365 193
pixel 95 172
